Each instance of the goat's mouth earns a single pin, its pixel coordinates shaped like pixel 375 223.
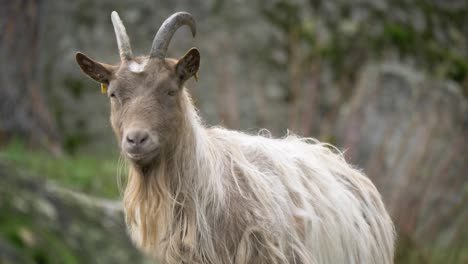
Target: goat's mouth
pixel 140 146
pixel 142 158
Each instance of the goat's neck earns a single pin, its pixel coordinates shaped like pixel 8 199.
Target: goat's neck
pixel 189 165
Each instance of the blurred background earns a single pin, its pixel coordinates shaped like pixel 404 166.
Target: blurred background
pixel 386 81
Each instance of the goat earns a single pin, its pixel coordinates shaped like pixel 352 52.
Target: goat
pixel 198 194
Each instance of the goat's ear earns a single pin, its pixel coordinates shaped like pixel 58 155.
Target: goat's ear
pixel 188 65
pixel 98 71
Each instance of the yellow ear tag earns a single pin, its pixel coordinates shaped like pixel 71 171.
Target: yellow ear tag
pixel 196 76
pixel 103 88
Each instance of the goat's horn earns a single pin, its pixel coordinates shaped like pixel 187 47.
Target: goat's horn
pixel 167 30
pixel 125 50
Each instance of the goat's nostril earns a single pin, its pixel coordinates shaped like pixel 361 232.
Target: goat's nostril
pixel 137 138
pixel 130 140
pixel 143 138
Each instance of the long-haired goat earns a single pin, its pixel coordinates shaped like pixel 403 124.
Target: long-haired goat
pixel 210 195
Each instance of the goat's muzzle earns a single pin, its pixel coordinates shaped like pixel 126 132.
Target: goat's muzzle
pixel 139 145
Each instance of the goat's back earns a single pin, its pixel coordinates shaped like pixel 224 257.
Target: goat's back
pixel 295 200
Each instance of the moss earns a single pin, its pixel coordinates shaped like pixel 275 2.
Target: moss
pixel 87 173
pixel 458 70
pixel 407 252
pixel 334 54
pixel 400 35
pixel 47 247
pixel 39 224
pixel 397 28
pixel 283 15
pixel 74 85
pixel 72 142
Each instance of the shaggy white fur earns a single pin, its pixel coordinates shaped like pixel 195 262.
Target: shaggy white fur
pixel 210 195
pixel 222 196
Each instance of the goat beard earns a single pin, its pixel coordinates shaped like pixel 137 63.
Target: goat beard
pixel 148 164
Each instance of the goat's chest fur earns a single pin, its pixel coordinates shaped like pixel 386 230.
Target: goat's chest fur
pixel 237 198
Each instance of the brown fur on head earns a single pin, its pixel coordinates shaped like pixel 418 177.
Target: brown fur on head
pixel 146 95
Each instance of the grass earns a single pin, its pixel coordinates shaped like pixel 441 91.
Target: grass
pixel 91 174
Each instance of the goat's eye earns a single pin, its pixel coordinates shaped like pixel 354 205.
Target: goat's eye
pixel 171 92
pixel 112 95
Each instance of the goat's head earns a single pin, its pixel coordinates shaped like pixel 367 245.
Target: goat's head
pixel 145 92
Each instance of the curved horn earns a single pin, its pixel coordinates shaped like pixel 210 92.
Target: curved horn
pixel 125 50
pixel 167 30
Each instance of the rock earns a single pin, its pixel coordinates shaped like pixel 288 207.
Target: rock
pixel 409 134
pixel 43 223
pixel 11 255
pixel 252 63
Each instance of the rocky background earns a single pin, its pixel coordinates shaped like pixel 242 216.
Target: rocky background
pixel 387 81
pixel 44 223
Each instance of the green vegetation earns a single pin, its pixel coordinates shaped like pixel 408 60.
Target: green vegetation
pixel 91 174
pixel 425 33
pixel 39 224
pixel 36 244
